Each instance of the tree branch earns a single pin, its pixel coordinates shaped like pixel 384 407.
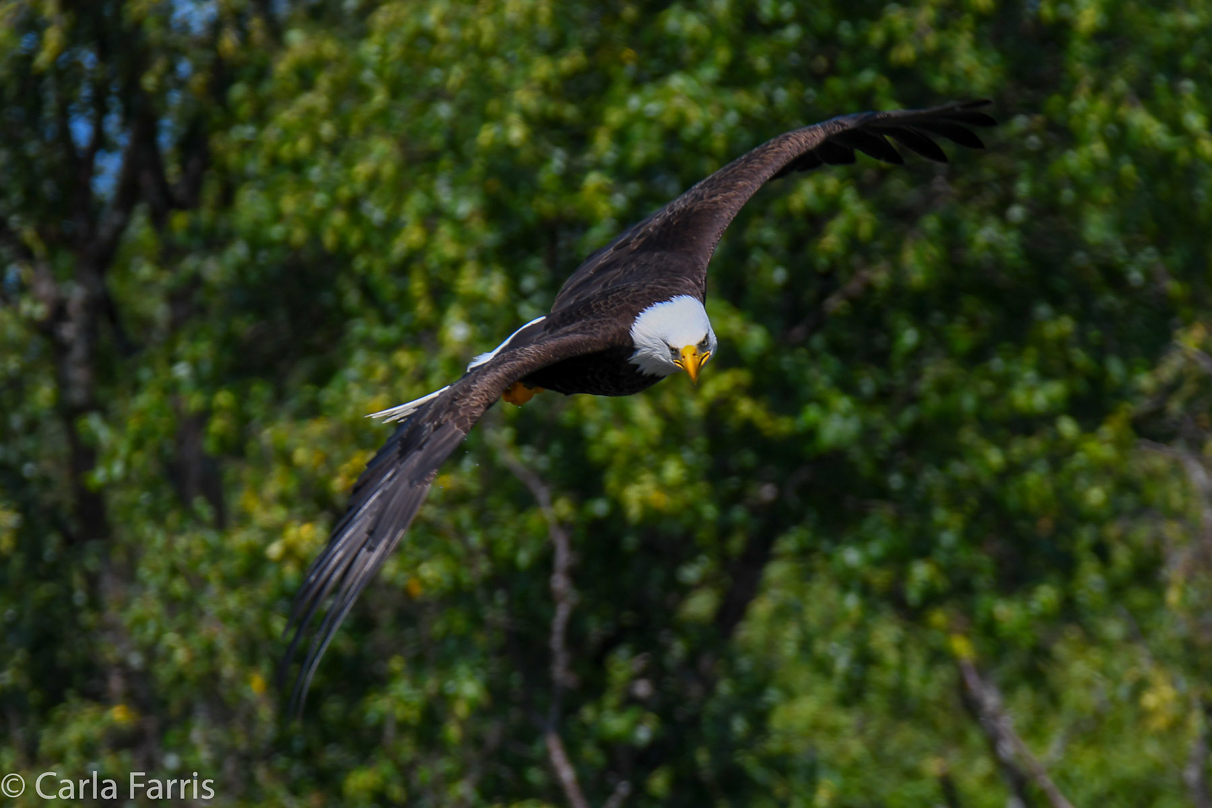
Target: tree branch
pixel 986 702
pixel 849 290
pixel 88 159
pixel 621 792
pixel 746 572
pixel 1200 480
pixel 564 595
pixel 154 182
pixel 950 792
pixel 63 127
pixel 113 221
pixel 1195 773
pixel 1202 360
pixel 194 152
pixel 564 771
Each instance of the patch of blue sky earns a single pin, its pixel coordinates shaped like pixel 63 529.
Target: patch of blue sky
pixel 194 16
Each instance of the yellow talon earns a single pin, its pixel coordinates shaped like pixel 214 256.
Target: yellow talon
pixel 518 393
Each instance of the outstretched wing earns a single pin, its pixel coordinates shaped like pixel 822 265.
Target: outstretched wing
pixel 391 489
pixel 692 224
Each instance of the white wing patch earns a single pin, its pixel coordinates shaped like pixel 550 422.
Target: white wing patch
pixel 402 411
pixel 485 357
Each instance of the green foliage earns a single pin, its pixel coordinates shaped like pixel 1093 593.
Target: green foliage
pixel 960 410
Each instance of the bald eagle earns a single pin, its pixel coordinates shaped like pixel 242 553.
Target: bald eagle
pixel 629 316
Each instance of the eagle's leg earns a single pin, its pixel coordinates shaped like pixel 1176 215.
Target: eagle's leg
pixel 519 393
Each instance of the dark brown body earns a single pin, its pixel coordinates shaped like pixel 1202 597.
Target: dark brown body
pixel 605 373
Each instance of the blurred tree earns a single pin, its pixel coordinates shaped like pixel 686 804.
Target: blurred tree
pixel 928 532
pixel 108 110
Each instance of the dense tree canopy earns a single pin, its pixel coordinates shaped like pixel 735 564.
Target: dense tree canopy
pixel 935 528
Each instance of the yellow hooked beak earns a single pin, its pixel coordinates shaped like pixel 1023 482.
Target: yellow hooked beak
pixel 692 361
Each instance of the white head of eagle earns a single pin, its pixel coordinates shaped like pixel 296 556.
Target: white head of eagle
pixel 673 335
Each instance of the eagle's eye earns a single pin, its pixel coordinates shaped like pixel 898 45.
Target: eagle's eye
pixel 674 353
pixel 703 344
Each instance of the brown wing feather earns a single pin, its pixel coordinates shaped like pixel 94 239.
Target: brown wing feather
pixel 391 489
pixel 692 224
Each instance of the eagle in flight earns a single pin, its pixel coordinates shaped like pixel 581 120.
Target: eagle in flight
pixel 629 316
